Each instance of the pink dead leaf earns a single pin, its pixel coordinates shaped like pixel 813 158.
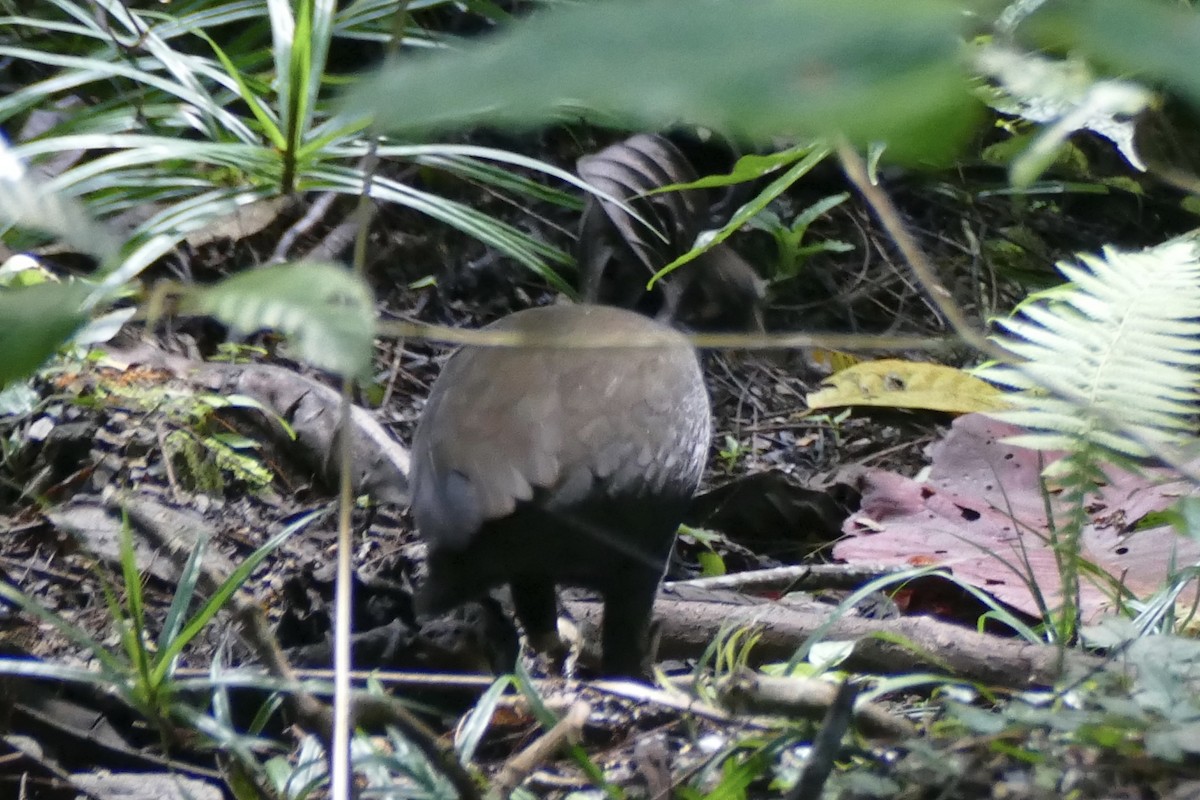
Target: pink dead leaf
pixel 1144 559
pixel 982 514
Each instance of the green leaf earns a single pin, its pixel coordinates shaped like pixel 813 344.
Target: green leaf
pixel 220 597
pixel 818 209
pixel 750 210
pixel 26 202
pixel 749 167
pixel 479 721
pixel 111 668
pixel 133 624
pixel 185 591
pixel 860 68
pixel 711 564
pixel 269 127
pixel 504 237
pixel 1149 39
pixel 327 310
pixel 34 322
pixel 548 720
pixel 1117 344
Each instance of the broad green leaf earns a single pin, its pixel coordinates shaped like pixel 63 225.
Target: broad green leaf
pixel 711 564
pixel 1148 39
pixel 861 68
pixel 34 322
pixel 327 311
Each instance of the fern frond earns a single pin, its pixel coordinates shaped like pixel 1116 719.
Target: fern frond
pixel 1111 360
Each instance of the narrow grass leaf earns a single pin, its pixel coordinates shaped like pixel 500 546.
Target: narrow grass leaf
pixel 748 211
pixel 547 720
pixel 110 665
pixel 532 254
pixel 471 732
pixel 185 591
pixel 222 595
pixel 36 668
pixel 269 126
pixel 133 622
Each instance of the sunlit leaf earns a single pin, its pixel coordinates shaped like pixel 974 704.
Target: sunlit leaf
pixel 327 311
pixel 26 202
pixel 893 383
pixel 1117 343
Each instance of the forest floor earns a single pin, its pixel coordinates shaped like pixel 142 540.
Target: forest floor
pixel 138 434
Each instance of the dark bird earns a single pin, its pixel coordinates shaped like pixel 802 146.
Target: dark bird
pixel 572 464
pixel 617 252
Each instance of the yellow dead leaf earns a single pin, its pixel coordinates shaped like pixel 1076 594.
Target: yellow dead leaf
pixel 908 384
pixel 825 361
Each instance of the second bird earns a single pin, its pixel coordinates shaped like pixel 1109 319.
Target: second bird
pixel 540 465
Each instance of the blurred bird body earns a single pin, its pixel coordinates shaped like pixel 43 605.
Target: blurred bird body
pixel 541 465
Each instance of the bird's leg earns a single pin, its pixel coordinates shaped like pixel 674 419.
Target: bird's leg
pixel 537 610
pixel 627 611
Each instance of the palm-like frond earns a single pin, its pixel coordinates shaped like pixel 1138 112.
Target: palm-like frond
pixel 1110 360
pixel 173 118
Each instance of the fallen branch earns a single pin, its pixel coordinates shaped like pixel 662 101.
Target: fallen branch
pixel 688 626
